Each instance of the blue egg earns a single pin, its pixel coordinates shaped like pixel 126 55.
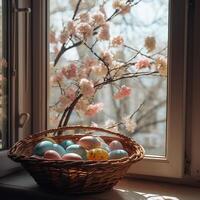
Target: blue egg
pixel 66 143
pixel 75 148
pixel 59 149
pixel 42 147
pixel 117 154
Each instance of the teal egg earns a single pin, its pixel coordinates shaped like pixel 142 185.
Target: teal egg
pixel 105 147
pixel 66 143
pixel 41 147
pixel 59 149
pixel 117 154
pixel 75 148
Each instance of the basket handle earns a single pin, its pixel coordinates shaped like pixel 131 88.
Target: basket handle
pixel 64 128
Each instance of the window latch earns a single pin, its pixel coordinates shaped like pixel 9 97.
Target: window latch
pixel 23 10
pixel 23 119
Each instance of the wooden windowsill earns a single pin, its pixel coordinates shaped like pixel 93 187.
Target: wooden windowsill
pixel 21 186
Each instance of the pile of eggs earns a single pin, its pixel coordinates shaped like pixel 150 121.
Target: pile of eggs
pixel 87 148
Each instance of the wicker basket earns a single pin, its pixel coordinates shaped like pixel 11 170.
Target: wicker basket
pixel 75 176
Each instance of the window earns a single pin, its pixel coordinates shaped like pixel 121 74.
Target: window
pixel 30 88
pixel 155 120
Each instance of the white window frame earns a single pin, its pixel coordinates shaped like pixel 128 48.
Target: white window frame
pixel 173 164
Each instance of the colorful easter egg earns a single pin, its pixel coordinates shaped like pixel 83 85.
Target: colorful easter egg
pixel 53 155
pixel 71 156
pixel 41 147
pixel 117 154
pixel 105 147
pixel 114 145
pixel 58 148
pixel 97 154
pixel 49 139
pixel 89 142
pixel 75 148
pixel 66 143
pixel 100 139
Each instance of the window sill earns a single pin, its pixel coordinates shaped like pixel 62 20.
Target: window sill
pixel 21 186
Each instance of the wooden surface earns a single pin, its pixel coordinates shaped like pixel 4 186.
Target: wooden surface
pixel 21 186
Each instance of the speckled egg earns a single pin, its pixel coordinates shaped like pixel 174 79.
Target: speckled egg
pixel 114 145
pixel 53 155
pixel 89 142
pixel 58 148
pixel 75 148
pixel 41 147
pixel 105 147
pixel 71 156
pixel 117 154
pixel 66 143
pixel 97 154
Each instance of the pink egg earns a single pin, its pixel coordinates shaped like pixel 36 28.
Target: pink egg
pixel 53 155
pixel 71 156
pixel 115 145
pixel 89 142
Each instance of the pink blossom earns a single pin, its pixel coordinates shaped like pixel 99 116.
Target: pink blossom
pixel 70 72
pixel 142 63
pixel 70 93
pixel 99 70
pixel 107 57
pixel 122 5
pixel 82 105
pixel 104 33
pixel 117 41
pixel 56 78
pixel 86 87
pixel 99 18
pixel 85 30
pixel 84 17
pixel 123 92
pixel 71 28
pixel 64 36
pixel 93 109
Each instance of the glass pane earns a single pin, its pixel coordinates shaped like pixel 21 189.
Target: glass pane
pixel 3 85
pixel 123 43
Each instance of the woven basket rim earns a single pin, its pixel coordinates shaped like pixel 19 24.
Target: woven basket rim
pixel 12 153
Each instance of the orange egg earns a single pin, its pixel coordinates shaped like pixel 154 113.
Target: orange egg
pixel 51 154
pixel 97 154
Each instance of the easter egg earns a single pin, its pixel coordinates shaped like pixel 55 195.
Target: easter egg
pixel 49 139
pixel 71 156
pixel 97 154
pixel 51 154
pixel 105 147
pixel 66 143
pixel 89 142
pixel 58 148
pixel 41 147
pixel 117 154
pixel 114 145
pixel 75 148
pixel 100 139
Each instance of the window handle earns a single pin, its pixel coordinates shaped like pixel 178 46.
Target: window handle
pixel 23 119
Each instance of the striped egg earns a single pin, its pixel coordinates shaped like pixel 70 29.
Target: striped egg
pixel 89 142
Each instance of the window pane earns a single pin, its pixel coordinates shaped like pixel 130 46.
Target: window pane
pixel 143 25
pixel 3 85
